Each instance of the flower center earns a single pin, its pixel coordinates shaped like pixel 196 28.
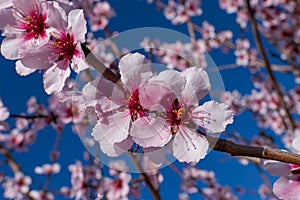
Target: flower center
pixel 175 115
pixel 33 24
pixel 135 108
pixel 64 46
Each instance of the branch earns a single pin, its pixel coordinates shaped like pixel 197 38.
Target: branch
pixel 10 160
pixel 145 177
pixel 267 64
pixel 221 144
pixel 234 149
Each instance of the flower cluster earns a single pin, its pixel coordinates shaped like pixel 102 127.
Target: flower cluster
pixel 42 36
pixel 149 110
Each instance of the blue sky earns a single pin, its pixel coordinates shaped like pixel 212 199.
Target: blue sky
pixel 15 90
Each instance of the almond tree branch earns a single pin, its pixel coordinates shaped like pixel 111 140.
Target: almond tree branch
pixel 220 144
pixel 145 177
pixel 12 164
pixel 268 65
pixel 234 149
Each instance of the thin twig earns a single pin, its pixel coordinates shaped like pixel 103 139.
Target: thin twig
pixel 228 146
pixel 267 64
pixel 145 177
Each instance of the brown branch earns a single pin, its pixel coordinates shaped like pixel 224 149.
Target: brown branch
pixel 145 177
pixel 28 116
pixel 234 149
pixel 222 144
pixel 10 160
pixel 268 65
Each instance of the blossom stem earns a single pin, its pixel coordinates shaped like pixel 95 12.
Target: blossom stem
pixel 145 177
pixel 268 65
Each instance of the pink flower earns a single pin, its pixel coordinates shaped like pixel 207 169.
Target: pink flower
pixel 102 12
pixel 178 94
pixel 117 110
pixel 48 169
pixel 118 188
pixel 28 26
pixel 4 114
pixel 16 188
pixel 62 50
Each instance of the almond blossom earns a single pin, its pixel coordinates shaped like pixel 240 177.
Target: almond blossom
pixel 4 114
pixel 117 110
pixel 63 49
pixel 288 185
pixel 116 189
pixel 181 92
pixel 28 26
pixel 17 187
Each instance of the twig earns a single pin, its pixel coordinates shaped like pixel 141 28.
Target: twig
pixel 267 64
pixel 10 160
pixel 145 177
pixel 225 145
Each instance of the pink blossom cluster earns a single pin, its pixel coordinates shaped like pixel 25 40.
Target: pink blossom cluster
pixel 193 177
pixel 184 55
pixel 150 109
pixel 42 36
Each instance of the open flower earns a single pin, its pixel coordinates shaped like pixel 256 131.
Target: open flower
pixel 288 185
pixel 118 109
pixel 181 116
pixel 62 50
pixel 28 26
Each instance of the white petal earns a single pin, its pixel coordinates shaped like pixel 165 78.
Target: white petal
pixel 22 69
pixel 188 146
pixel 134 70
pixel 116 149
pixel 212 116
pixel 54 78
pixel 150 132
pixel 10 48
pixel 113 128
pixel 171 79
pixel 296 143
pixel 197 84
pixel 77 24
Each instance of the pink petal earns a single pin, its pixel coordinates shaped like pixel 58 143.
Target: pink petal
pixel 114 129
pixel 296 143
pixel 77 24
pixel 116 149
pixel 54 79
pixel 197 84
pixel 134 70
pixel 276 168
pixel 10 47
pixel 78 63
pixel 212 116
pixel 188 146
pixel 156 94
pixel 23 70
pixel 57 16
pixel 37 59
pixel 171 79
pixel 150 132
pixel 287 188
pixel 6 17
pixel 5 4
